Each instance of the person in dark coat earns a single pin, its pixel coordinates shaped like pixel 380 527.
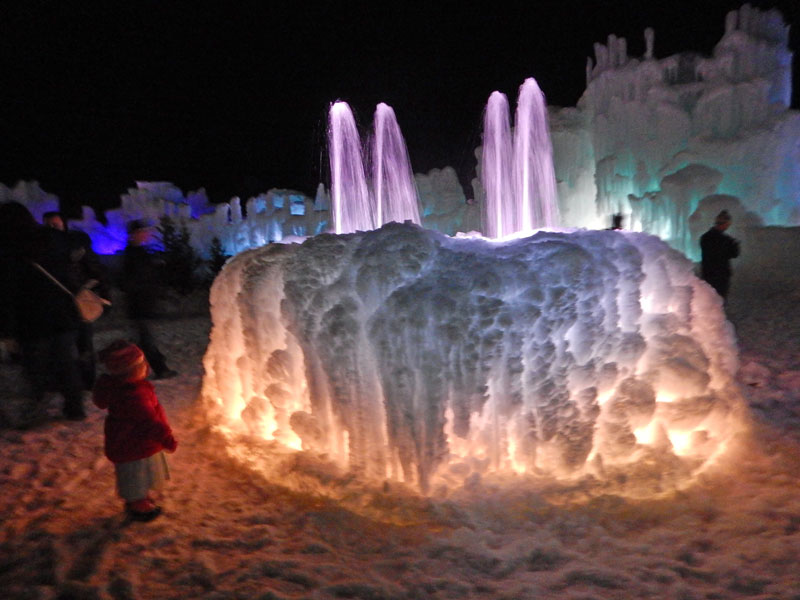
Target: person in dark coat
pixel 85 271
pixel 16 227
pixel 42 314
pixel 141 270
pixel 718 248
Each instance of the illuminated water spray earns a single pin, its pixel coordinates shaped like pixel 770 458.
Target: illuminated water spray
pixel 350 202
pixel 534 174
pixel 394 190
pixel 392 195
pixel 519 180
pixel 499 207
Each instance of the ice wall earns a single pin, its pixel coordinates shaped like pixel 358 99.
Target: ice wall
pixel 403 353
pixel 268 217
pixel 655 124
pixel 31 195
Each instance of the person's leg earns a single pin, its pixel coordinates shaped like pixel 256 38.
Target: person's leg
pixel 36 365
pixel 64 353
pixel 132 486
pixel 86 355
pixel 148 345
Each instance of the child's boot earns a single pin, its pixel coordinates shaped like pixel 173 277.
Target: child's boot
pixel 142 510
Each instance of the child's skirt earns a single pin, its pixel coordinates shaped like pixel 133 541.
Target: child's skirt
pixel 137 477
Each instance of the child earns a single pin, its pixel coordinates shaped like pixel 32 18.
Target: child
pixel 136 428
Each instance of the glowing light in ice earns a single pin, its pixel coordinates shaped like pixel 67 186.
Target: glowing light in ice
pixel 403 353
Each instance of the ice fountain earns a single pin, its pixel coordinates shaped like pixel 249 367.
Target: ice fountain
pixel 401 353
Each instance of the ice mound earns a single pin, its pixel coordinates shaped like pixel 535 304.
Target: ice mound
pixel 406 354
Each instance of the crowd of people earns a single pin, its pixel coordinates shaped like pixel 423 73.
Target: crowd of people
pixel 43 266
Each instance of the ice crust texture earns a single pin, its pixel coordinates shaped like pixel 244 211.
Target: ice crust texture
pixel 403 353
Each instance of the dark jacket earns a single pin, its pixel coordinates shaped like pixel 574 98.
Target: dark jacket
pixel 142 276
pixel 136 426
pixel 40 307
pixel 717 249
pixel 84 264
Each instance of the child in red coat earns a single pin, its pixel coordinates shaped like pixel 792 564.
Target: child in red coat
pixel 136 428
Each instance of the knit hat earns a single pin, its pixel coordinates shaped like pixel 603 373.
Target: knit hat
pixel 722 218
pixel 121 357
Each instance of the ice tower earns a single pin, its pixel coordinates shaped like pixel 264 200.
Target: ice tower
pixel 659 135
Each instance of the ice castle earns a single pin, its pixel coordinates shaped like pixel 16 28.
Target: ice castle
pixel 664 141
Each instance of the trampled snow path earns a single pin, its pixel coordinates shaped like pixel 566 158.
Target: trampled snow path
pixel 226 533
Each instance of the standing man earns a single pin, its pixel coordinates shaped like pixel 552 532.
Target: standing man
pixel 142 278
pixel 717 249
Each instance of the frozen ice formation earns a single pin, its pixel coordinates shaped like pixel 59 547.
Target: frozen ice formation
pixel 660 135
pixel 403 353
pixel 656 139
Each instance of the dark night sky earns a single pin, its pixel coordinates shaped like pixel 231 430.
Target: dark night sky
pixel 233 97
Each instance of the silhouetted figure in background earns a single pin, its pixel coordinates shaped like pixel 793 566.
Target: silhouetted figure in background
pixel 616 222
pixel 717 249
pixel 86 271
pixel 16 225
pixel 141 271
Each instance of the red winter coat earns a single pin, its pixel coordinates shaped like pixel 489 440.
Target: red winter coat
pixel 136 426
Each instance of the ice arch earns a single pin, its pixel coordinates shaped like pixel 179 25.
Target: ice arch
pixel 404 353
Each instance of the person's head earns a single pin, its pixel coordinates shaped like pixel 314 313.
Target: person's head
pixel 54 220
pixel 723 220
pixel 125 360
pixel 19 231
pixel 139 232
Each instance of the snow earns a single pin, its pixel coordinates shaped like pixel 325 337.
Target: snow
pixel 229 532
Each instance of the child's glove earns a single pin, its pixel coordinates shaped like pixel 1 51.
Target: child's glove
pixel 170 443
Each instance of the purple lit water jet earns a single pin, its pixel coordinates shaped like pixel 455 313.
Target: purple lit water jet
pixel 394 190
pixel 350 202
pixel 356 206
pixel 499 213
pixel 534 175
pixel 519 180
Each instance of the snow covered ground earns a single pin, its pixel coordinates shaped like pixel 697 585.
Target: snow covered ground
pixel 228 533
